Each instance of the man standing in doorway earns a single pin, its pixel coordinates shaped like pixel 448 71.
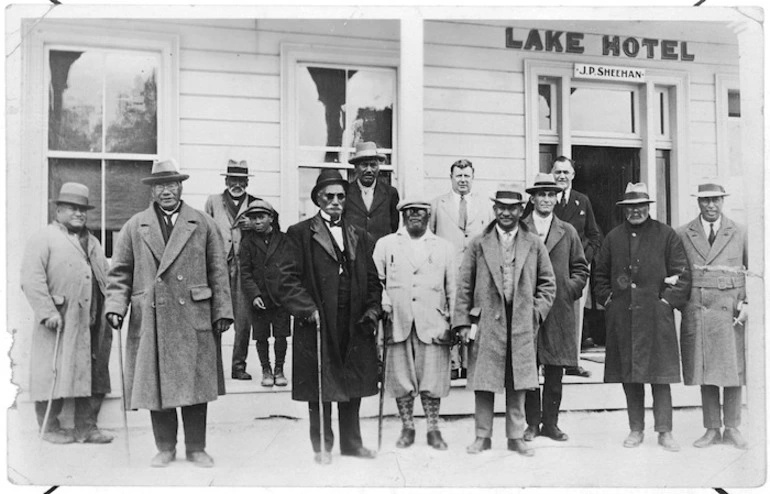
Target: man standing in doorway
pixel 713 337
pixel 458 216
pixel 642 275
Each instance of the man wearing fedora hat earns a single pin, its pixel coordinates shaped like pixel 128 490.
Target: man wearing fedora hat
pixel 505 289
pixel 336 274
pixel 714 320
pixel 417 271
pixel 556 341
pixel 642 275
pixel 371 203
pixel 170 268
pixel 225 208
pixel 64 275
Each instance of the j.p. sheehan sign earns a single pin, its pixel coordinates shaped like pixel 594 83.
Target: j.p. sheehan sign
pixel 611 45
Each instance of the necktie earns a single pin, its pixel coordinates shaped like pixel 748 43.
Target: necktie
pixel 463 215
pixel 712 235
pixel 563 202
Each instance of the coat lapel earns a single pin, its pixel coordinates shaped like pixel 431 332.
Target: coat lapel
pixel 490 246
pixel 555 235
pixel 184 227
pixel 355 200
pixel 322 236
pixel 698 238
pixel 72 239
pixel 149 228
pixel 352 241
pixel 380 194
pixel 723 237
pixel 523 243
pixel 449 206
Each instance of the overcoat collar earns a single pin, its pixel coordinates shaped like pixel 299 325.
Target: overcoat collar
pixel 149 228
pixel 356 200
pixel 490 246
pixel 700 241
pixel 244 204
pixel 554 235
pixel 75 241
pixel 323 236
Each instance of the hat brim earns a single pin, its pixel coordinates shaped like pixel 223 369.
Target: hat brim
pixel 508 202
pixel 237 174
pixel 413 206
pixel 357 159
pixel 85 206
pixel 180 177
pixel 710 194
pixel 632 202
pixel 344 183
pixel 543 188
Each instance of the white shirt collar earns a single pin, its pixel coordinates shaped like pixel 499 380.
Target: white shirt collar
pixel 369 189
pixel 326 217
pixel 542 225
pixel 456 198
pixel 502 233
pixel 707 228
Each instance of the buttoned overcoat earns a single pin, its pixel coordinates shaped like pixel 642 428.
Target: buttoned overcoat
pixel 176 292
pixel 642 344
pixel 354 374
pixel 480 292
pixel 713 349
pixel 557 339
pixel 56 278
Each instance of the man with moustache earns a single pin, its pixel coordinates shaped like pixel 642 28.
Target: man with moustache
pixel 642 275
pixel 458 216
pixel 371 204
pixel 556 339
pixel 505 289
pixel 714 320
pixel 64 274
pixel 169 267
pixel 417 271
pixel 225 208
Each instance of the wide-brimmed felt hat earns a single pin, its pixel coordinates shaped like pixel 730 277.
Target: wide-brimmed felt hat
pixel 635 194
pixel 237 169
pixel 365 150
pixel 710 189
pixel 413 203
pixel 75 194
pixel 165 171
pixel 328 176
pixel 508 194
pixel 544 182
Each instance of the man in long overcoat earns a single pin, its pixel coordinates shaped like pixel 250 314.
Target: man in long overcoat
pixel 556 342
pixel 714 320
pixel 417 270
pixel 506 288
pixel 225 208
pixel 64 275
pixel 335 267
pixel 169 267
pixel 642 275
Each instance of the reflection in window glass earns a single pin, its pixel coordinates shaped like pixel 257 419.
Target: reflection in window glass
pixel 131 103
pixel 733 103
pixel 370 106
pixel 84 171
pixel 602 110
pixel 545 109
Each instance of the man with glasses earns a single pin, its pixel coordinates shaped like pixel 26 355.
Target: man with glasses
pixel 64 274
pixel 170 268
pixel 642 275
pixel 225 208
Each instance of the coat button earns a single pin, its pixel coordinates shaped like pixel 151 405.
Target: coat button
pixel 497 317
pixel 633 285
pixel 159 280
pixel 181 301
pixel 179 277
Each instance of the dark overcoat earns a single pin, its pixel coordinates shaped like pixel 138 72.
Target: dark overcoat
pixel 557 338
pixel 480 292
pixel 642 344
pixel 379 220
pixel 353 375
pixel 56 277
pixel 176 292
pixel 713 349
pixel 264 267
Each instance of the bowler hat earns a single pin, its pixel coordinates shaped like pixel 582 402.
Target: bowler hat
pixel 413 203
pixel 236 169
pixel 365 150
pixel 74 193
pixel 544 182
pixel 635 194
pixel 711 189
pixel 165 171
pixel 328 176
pixel 508 194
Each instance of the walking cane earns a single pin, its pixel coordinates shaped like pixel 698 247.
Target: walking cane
pixel 385 322
pixel 53 382
pixel 325 457
pixel 123 394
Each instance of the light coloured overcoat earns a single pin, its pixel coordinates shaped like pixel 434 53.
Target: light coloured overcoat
pixel 445 221
pixel 480 291
pixel 417 292
pixel 713 350
pixel 557 339
pixel 176 292
pixel 56 278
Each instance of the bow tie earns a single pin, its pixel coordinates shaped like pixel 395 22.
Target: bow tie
pixel 332 224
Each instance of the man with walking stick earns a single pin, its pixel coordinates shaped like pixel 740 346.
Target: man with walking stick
pixel 64 275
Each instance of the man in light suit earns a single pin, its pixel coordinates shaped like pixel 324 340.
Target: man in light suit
pixel 417 271
pixel 458 216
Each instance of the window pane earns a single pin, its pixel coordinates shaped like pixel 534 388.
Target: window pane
pixel 312 157
pixel 545 108
pixel 86 172
pixel 733 104
pixel 126 195
pixel 370 98
pixel 321 100
pixel 75 101
pixel 602 110
pixel 131 103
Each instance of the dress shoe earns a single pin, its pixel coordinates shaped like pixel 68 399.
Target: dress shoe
pixel 59 436
pixel 554 433
pixel 634 439
pixel 406 439
pixel 360 452
pixel 280 379
pixel 241 375
pixel 163 458
pixel 733 436
pixel 97 437
pixel 479 445
pixel 531 432
pixel 268 379
pixel 712 436
pixel 454 374
pixel 577 371
pixel 587 343
pixel 200 459
pixel 666 440
pixel 323 458
pixel 519 446
pixel 436 441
